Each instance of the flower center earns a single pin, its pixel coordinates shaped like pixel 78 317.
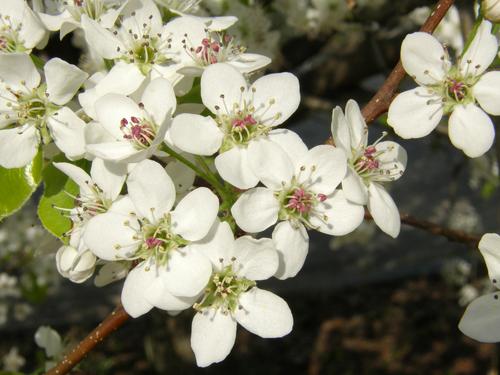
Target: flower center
pixel 224 289
pixel 9 35
pixel 457 90
pixel 144 48
pixel 140 132
pixel 216 47
pixel 298 202
pixel 156 240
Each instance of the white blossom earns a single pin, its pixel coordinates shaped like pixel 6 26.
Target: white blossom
pixel 449 89
pixel 142 226
pixel 243 114
pixel 481 319
pixel 369 167
pixel 73 265
pixel 37 110
pixel 231 296
pixel 300 190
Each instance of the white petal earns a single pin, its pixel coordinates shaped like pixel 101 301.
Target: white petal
pixel 415 113
pixel 195 213
pixel 32 31
pixel 342 216
pixel 159 99
pixel 18 146
pixel 487 92
pixel 354 188
pixel 341 134
pixel 63 80
pixel 16 68
pixel 113 82
pixel 292 244
pixel 221 87
pixel 264 314
pixel 137 281
pixel 383 209
pixel 188 272
pixel 68 132
pixel 151 189
pixel 110 272
pixel 255 259
pixel 481 52
pixel 490 250
pixel 393 159
pixel 481 320
pixel 423 58
pixel 249 62
pixel 182 176
pixel 219 23
pixel 358 130
pixel 289 141
pixel 217 245
pixel 117 241
pixel 276 98
pixel 234 167
pixel 212 336
pixel 103 42
pixel 471 130
pixel 270 163
pixel 139 12
pixel 158 295
pixel 113 151
pixel 78 175
pixel 198 135
pixel 112 108
pixel 256 210
pixel 108 176
pixel 322 168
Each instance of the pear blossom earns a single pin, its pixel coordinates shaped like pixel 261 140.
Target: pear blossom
pixel 491 10
pixel 20 28
pixel 300 191
pixel 482 317
pixel 231 296
pixel 65 16
pixel 243 115
pixel 129 132
pixel 97 191
pixel 141 44
pixel 143 227
pixel 32 112
pixel 369 167
pixel 455 90
pixel 204 41
pixel 75 266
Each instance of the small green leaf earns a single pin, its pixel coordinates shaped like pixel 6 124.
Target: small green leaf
pixel 17 185
pixel 56 196
pixel 193 96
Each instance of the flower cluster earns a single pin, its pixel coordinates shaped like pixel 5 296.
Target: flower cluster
pixel 179 97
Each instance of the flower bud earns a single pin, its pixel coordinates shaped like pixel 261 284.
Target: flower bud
pixel 74 266
pixel 491 10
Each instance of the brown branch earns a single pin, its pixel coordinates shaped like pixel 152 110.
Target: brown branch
pixel 451 234
pixel 104 329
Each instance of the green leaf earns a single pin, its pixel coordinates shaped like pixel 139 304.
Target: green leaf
pixel 17 185
pixel 193 96
pixel 57 193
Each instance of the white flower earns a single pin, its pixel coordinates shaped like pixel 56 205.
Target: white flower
pixel 481 319
pixel 369 166
pixel 67 15
pixel 13 361
pixel 36 110
pixel 300 190
pixel 20 28
pixel 73 265
pixel 142 226
pixel 48 339
pixel 491 10
pixel 132 132
pixel 141 43
pixel 204 41
pixel 231 296
pixel 243 115
pixel 449 89
pixel 97 191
